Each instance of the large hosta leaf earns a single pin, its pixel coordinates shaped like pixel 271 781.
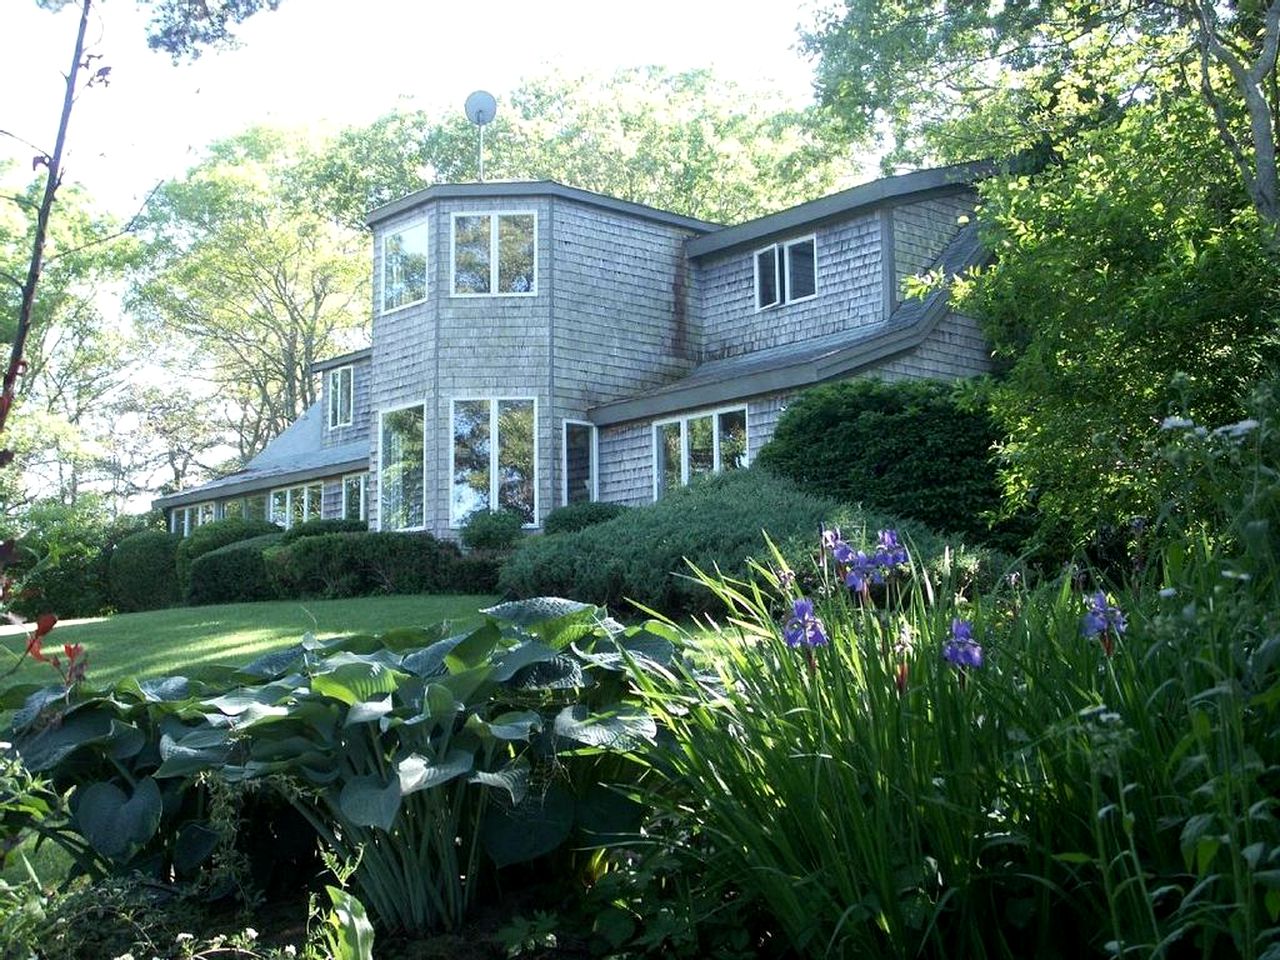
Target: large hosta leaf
pixel 116 824
pixel 513 778
pixel 535 610
pixel 194 845
pixel 357 680
pixel 94 728
pixel 417 772
pixel 529 829
pixel 368 711
pixel 276 663
pixel 513 725
pixel 512 661
pixel 474 649
pixel 200 750
pixel 622 728
pixel 370 801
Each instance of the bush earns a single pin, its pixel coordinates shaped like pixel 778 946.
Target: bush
pixel 211 536
pixel 579 516
pixel 476 572
pixel 500 530
pixel 360 564
pixel 318 527
pixel 60 568
pixel 143 573
pixel 912 449
pixel 236 573
pixel 715 523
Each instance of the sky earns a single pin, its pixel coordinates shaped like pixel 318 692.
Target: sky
pixel 324 64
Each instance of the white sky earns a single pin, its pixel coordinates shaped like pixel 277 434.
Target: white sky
pixel 324 64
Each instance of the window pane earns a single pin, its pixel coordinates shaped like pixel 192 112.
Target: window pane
pixel 280 507
pixel 403 480
pixel 669 457
pixel 515 253
pixel 353 497
pixel 297 506
pixel 470 459
pixel 404 267
pixel 206 513
pixel 340 397
pixel 579 483
pixel 255 507
pixel 803 263
pixel 766 278
pixel 314 501
pixel 702 454
pixel 733 439
pixel 515 457
pixel 233 509
pixel 471 254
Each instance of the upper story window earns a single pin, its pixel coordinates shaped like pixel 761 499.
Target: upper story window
pixel 786 272
pixel 494 254
pixel 404 267
pixel 698 444
pixel 341 397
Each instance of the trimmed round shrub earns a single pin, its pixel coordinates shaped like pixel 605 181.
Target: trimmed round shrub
pixel 236 573
pixel 912 449
pixel 579 516
pixel 318 528
pixel 211 536
pixel 360 564
pixel 499 530
pixel 142 572
pixel 476 573
pixel 718 522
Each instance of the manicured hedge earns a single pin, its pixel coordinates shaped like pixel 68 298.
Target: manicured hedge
pixel 717 522
pixel 360 564
pixel 579 516
pixel 142 572
pixel 317 528
pixel 235 573
pixel 499 530
pixel 211 536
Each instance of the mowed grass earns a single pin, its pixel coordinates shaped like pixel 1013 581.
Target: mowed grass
pixel 186 639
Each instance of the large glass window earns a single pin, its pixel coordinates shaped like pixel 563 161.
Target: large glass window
pixel 404 267
pixel 786 272
pixel 696 445
pixel 293 505
pixel 494 254
pixel 402 470
pixel 579 462
pixel 341 397
pixel 493 458
pixel 182 520
pixel 354 486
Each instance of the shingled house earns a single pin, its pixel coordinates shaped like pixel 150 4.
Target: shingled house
pixel 535 345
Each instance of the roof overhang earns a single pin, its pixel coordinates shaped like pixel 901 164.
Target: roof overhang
pixel 230 486
pixel 346 359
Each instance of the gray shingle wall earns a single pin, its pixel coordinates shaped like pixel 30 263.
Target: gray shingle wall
pixel 956 349
pixel 331 501
pixel 849 293
pixel 921 231
pixel 626 464
pixel 361 383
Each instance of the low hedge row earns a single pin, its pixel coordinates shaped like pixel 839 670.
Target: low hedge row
pixel 213 536
pixel 236 573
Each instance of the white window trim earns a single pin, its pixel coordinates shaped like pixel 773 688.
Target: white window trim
pixel 782 263
pixel 305 487
pixel 426 280
pixel 190 517
pixel 335 385
pixel 683 420
pixel 364 491
pixel 493 256
pixel 564 458
pixel 493 456
pixel 381 415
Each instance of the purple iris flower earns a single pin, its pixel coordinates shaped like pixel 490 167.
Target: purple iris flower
pixel 1101 616
pixel 889 549
pixel 804 627
pixel 862 571
pixel 960 649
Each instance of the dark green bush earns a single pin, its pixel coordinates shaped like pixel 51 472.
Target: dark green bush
pixel 318 528
pixel 912 449
pixel 579 516
pixel 235 573
pixel 361 564
pixel 500 530
pixel 211 536
pixel 59 566
pixel 716 522
pixel 142 572
pixel 476 572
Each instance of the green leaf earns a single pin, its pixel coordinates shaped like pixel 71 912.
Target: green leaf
pixel 528 613
pixel 622 728
pixel 474 649
pixel 348 934
pixel 277 663
pixel 194 845
pixel 417 772
pixel 200 750
pixel 528 830
pixel 614 925
pixel 368 710
pixel 514 725
pixel 115 824
pixel 370 802
pixel 84 728
pixel 354 681
pixel 513 778
pixel 512 661
pixel 606 816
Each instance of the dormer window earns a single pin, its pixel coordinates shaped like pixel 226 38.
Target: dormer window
pixel 786 272
pixel 494 254
pixel 341 397
pixel 404 268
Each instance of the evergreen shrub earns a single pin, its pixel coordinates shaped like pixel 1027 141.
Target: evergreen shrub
pixel 143 574
pixel 235 573
pixel 211 536
pixel 579 516
pixel 318 527
pixel 497 530
pixel 361 564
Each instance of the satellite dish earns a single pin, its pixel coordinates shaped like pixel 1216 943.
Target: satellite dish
pixel 480 107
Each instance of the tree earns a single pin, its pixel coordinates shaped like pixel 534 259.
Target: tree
pixel 958 79
pixel 245 289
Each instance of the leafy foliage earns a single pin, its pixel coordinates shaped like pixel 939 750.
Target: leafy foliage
pixel 211 536
pixel 318 527
pixel 579 516
pixel 360 564
pixel 492 530
pixel 143 571
pixel 236 573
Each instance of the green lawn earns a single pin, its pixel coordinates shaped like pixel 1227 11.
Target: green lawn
pixel 178 641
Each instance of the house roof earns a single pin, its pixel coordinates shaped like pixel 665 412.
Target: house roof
pixel 355 356
pixel 802 364
pixel 535 188
pixel 293 457
pixel 866 196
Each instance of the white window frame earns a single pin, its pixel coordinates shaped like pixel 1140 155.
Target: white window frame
pixel 335 399
pixel 288 492
pixel 426 256
pixel 364 489
pixel 190 515
pixel 683 420
pixel 493 216
pixel 381 415
pixel 781 252
pixel 494 446
pixel 564 458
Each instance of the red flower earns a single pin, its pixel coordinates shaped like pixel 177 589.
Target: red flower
pixel 44 623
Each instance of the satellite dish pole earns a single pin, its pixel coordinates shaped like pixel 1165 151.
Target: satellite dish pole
pixel 480 108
